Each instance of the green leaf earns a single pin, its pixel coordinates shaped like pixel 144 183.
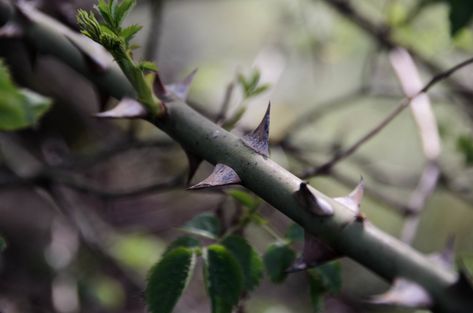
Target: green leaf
pixel 149 66
pixel 317 290
pixel 245 198
pixel 184 241
pixel 19 108
pixel 249 260
pixel 461 13
pixel 331 275
pixel 205 225
pixel 168 279
pixel 223 277
pixel 129 32
pixel 122 11
pixel 104 11
pixel 295 233
pixel 277 259
pixel 465 146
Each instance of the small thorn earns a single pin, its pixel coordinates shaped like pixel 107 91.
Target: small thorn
pixel 315 253
pixel 405 293
pixel 446 257
pixel 194 162
pixel 258 140
pixel 222 175
pixel 126 108
pixel 353 200
pixel 159 87
pixel 309 201
pixel 181 89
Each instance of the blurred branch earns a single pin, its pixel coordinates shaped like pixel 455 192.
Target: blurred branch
pixel 155 29
pixel 327 166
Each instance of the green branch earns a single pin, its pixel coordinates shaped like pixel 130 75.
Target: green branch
pixel 343 231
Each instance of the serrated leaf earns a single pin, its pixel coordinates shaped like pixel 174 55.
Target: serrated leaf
pixel 122 10
pixel 168 279
pixel 245 198
pixel 461 13
pixel 205 224
pixel 465 146
pixel 317 290
pixel 223 277
pixel 277 259
pixel 249 260
pixel 295 233
pixel 183 241
pixel 129 32
pixel 19 108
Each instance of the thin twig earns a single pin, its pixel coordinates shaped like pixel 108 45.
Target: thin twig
pixel 326 167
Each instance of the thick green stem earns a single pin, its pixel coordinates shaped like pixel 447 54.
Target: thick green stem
pixel 363 242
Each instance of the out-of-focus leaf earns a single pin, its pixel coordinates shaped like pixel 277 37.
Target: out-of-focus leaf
pixel 205 225
pixel 277 260
pixel 108 292
pixel 317 290
pixel 250 84
pixel 223 278
pixel 184 241
pixel 461 13
pixel 331 275
pixel 19 108
pixel 249 260
pixel 245 198
pixel 295 233
pixel 465 146
pixel 168 279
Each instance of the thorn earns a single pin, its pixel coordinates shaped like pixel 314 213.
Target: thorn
pixel 405 293
pixel 353 200
pixel 315 253
pixel 159 87
pixel 258 140
pixel 446 257
pixel 126 108
pixel 181 88
pixel 222 175
pixel 194 162
pixel 310 202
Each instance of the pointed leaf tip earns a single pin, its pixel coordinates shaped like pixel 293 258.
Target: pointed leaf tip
pixel 315 253
pixel 222 175
pixel 126 108
pixel 309 201
pixel 181 88
pixel 353 200
pixel 405 293
pixel 258 140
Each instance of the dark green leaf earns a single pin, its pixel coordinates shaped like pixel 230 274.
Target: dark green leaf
pixel 295 233
pixel 205 224
pixel 277 260
pixel 104 11
pixel 184 241
pixel 465 146
pixel 168 279
pixel 223 277
pixel 331 275
pixel 122 10
pixel 461 13
pixel 245 198
pixel 19 108
pixel 317 290
pixel 250 262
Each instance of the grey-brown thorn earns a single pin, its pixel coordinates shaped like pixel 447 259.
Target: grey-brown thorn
pixel 309 201
pixel 353 200
pixel 258 140
pixel 126 108
pixel 223 175
pixel 315 253
pixel 179 89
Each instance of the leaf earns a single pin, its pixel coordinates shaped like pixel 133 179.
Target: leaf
pixel 277 259
pixel 122 10
pixel 461 13
pixel 249 260
pixel 205 224
pixel 183 241
pixel 295 233
pixel 316 290
pixel 331 275
pixel 19 108
pixel 129 32
pixel 148 66
pixel 245 198
pixel 465 146
pixel 168 279
pixel 223 277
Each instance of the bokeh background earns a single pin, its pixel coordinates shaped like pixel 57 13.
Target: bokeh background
pixel 84 240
